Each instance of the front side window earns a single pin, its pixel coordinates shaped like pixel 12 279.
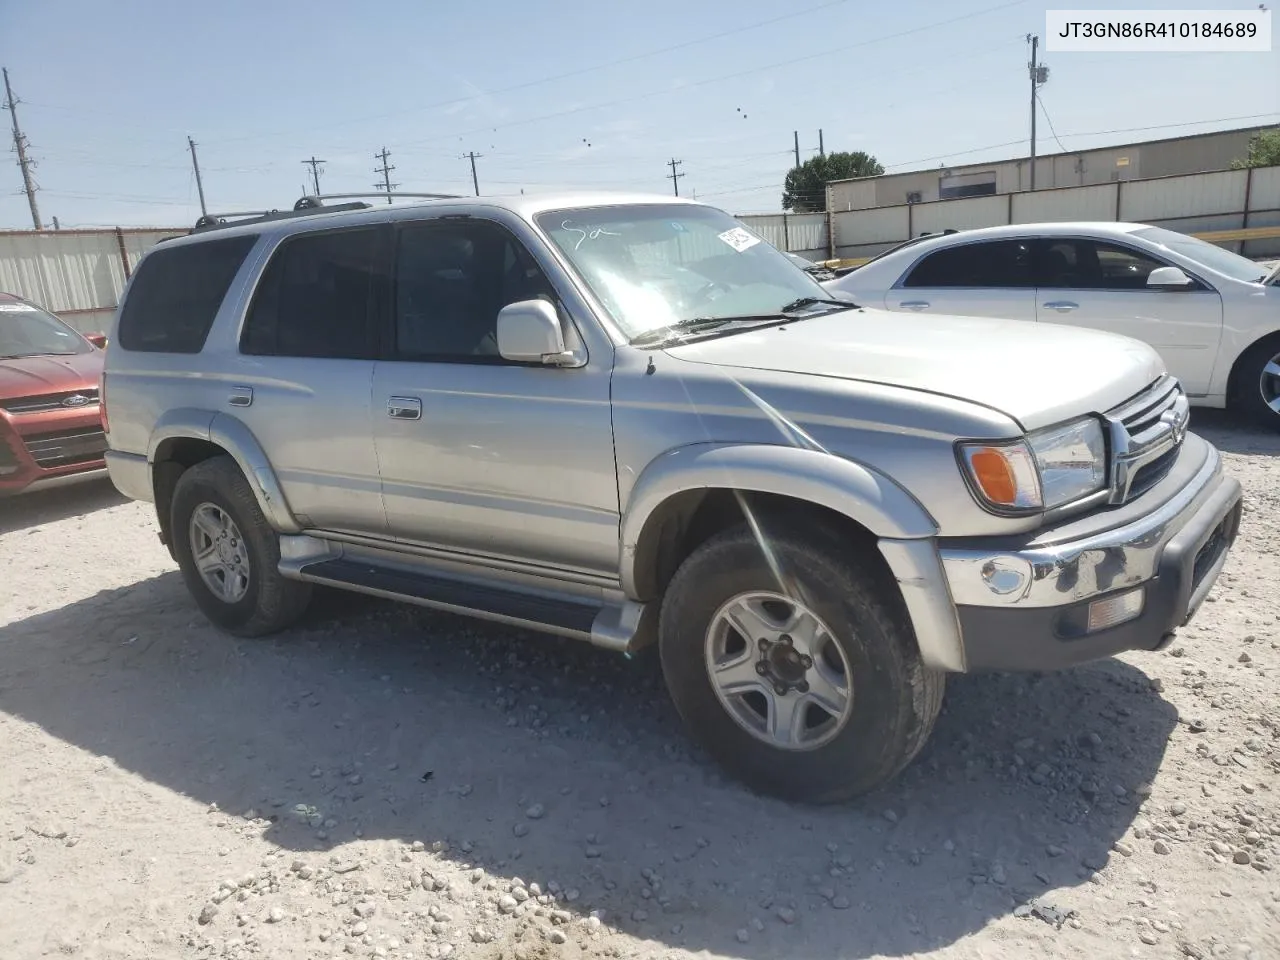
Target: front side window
pixel 452 279
pixel 1214 257
pixel 319 296
pixel 995 263
pixel 658 265
pixel 28 331
pixel 1077 264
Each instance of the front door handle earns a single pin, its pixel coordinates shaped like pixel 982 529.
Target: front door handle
pixel 240 396
pixel 914 304
pixel 404 408
pixel 1062 306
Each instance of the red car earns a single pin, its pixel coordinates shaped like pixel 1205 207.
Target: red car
pixel 50 423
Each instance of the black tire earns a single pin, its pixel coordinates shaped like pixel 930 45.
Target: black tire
pixel 270 603
pixel 1248 397
pixel 895 698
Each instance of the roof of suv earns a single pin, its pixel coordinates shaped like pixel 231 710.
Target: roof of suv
pixel 522 206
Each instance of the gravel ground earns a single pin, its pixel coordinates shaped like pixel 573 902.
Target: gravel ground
pixel 386 781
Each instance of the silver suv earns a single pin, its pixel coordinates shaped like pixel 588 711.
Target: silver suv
pixel 630 420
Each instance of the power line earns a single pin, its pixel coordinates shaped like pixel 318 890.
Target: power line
pixel 385 170
pixel 20 145
pixel 1061 146
pixel 673 176
pixel 315 172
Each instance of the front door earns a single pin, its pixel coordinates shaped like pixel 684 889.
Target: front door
pixel 480 455
pixel 305 372
pixel 1103 285
pixel 989 278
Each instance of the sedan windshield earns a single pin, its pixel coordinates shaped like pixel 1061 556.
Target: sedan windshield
pixel 1215 258
pixel 665 266
pixel 28 331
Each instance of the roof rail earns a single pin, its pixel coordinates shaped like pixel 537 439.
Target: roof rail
pixel 380 194
pixel 306 207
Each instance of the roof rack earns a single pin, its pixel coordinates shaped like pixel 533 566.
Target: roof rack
pixel 305 207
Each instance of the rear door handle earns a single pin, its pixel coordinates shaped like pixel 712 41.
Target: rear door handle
pixel 240 396
pixel 404 408
pixel 1062 306
pixel 914 304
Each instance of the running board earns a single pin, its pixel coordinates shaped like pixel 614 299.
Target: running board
pixel 623 628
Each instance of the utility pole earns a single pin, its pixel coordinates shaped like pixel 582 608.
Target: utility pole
pixel 1039 74
pixel 315 172
pixel 191 145
pixel 673 176
pixel 385 170
pixel 20 145
pixel 797 136
pixel 475 181
pixel 822 151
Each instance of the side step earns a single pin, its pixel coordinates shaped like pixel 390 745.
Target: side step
pixel 563 616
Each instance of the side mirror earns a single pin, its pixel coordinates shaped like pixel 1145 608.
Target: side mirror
pixel 530 331
pixel 99 340
pixel 1169 278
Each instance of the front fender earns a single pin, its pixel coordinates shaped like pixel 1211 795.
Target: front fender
pixel 237 439
pixel 853 489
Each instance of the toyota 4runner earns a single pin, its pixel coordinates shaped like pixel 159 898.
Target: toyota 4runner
pixel 630 420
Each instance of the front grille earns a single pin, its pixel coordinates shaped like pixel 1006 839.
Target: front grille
pixel 1146 434
pixel 8 461
pixel 66 447
pixel 52 401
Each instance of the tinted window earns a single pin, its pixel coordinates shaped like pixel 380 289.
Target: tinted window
pixel 318 297
pixel 176 292
pixel 1092 265
pixel 1002 263
pixel 452 279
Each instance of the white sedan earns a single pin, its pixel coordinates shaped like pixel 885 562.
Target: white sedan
pixel 1214 316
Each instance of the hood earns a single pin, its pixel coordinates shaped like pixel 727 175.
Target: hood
pixel 32 376
pixel 1039 374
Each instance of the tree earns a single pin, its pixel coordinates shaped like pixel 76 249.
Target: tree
pixel 805 189
pixel 1264 151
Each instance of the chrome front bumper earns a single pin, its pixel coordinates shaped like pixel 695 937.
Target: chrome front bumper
pixel 1052 600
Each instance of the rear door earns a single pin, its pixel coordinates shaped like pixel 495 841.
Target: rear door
pixel 305 372
pixel 988 278
pixel 1086 282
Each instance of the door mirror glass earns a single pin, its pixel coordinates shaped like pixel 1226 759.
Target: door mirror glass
pixel 99 340
pixel 530 331
pixel 1168 278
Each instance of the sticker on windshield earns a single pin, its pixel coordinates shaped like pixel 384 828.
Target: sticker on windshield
pixel 17 308
pixel 739 239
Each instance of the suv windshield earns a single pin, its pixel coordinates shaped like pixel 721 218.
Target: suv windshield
pixel 1215 258
pixel 28 331
pixel 655 266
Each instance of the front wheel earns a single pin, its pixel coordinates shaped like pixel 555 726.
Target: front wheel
pixel 1258 383
pixel 229 554
pixel 793 668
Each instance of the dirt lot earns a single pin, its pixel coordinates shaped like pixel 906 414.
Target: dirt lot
pixel 385 781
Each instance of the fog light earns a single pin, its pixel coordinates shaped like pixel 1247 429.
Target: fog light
pixel 1005 576
pixel 1116 610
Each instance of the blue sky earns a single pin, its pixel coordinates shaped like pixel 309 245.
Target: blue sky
pixel 555 94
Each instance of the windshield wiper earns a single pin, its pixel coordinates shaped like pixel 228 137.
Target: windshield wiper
pixel 698 324
pixel 815 302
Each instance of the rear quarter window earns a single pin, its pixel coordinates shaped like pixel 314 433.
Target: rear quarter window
pixel 175 295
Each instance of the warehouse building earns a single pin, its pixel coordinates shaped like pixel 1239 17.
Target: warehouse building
pixel 1174 156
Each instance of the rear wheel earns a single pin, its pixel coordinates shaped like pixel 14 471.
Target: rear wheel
pixel 1258 383
pixel 800 675
pixel 228 553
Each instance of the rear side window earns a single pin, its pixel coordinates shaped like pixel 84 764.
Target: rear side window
pixel 999 263
pixel 320 296
pixel 176 293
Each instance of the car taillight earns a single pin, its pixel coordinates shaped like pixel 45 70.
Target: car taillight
pixel 102 401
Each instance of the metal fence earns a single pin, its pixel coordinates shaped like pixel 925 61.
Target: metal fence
pixel 78 274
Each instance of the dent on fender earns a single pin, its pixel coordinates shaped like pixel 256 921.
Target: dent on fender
pixel 850 488
pixel 236 438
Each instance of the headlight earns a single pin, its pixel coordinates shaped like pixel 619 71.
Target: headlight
pixel 1047 469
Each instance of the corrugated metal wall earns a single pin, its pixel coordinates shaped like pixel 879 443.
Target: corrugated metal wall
pixel 1197 203
pixel 802 233
pixel 77 274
